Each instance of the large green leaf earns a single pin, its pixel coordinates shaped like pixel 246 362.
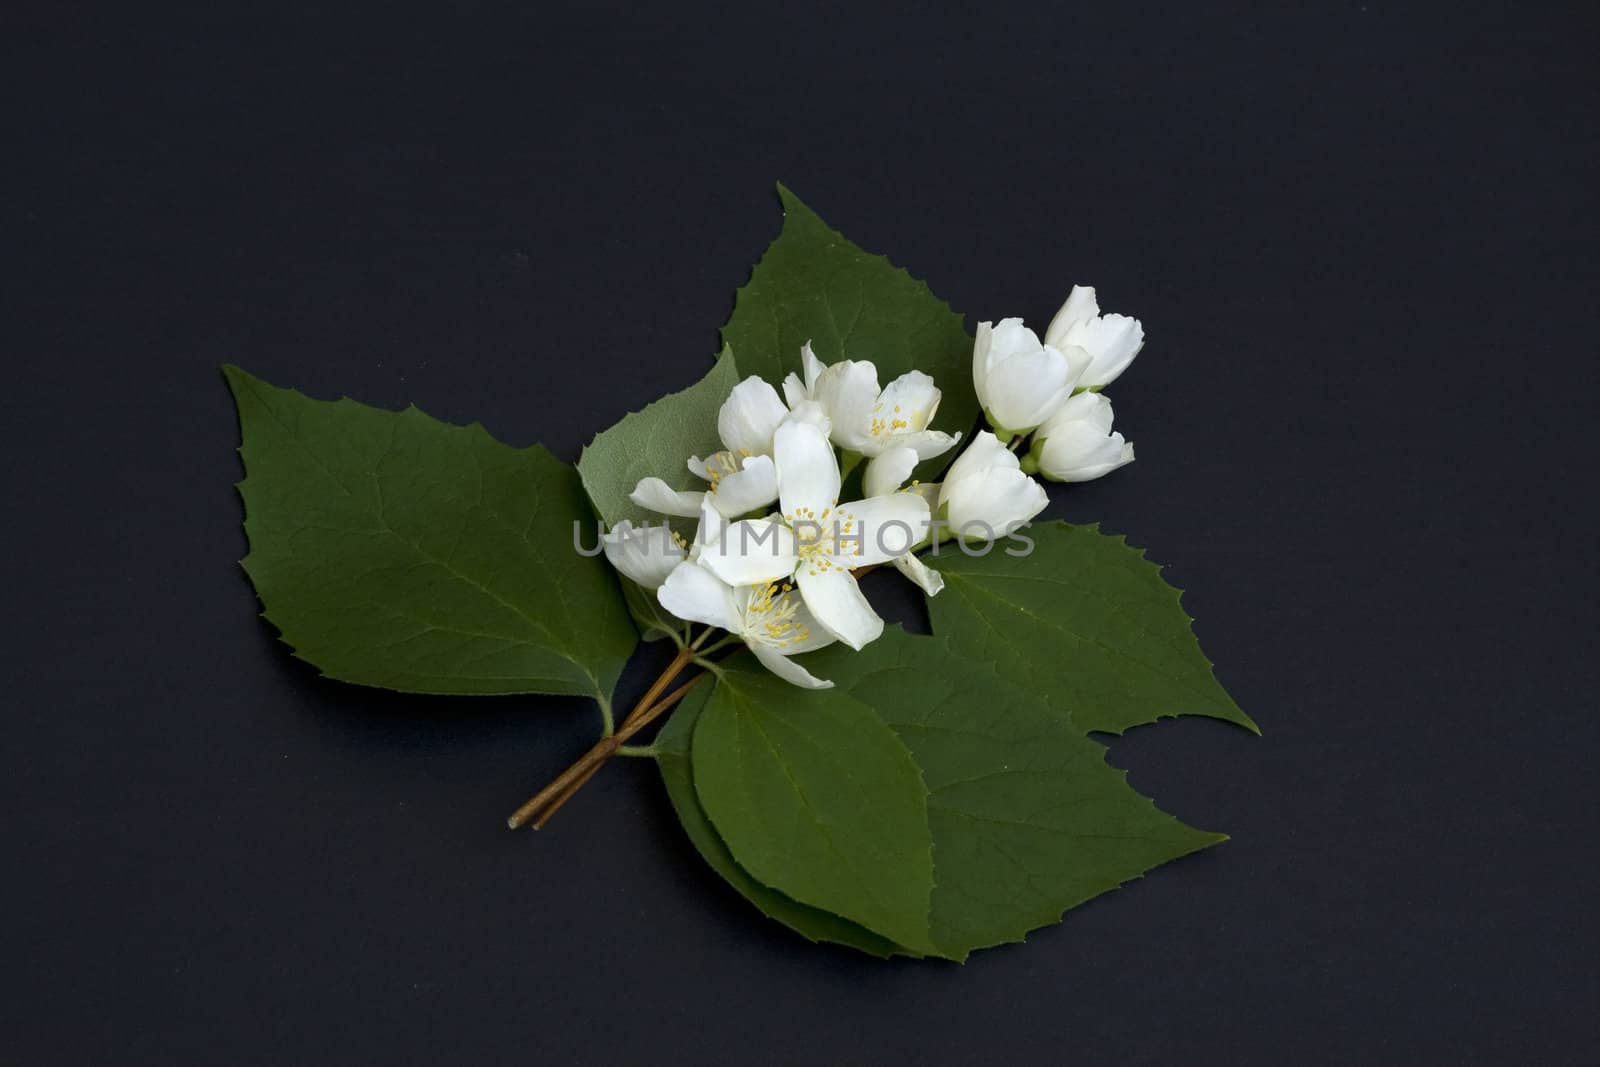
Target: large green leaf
pixel 672 757
pixel 656 442
pixel 818 799
pixel 814 285
pixel 1027 818
pixel 395 550
pixel 1086 622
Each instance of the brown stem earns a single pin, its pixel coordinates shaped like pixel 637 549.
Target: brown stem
pixel 635 723
pixel 643 712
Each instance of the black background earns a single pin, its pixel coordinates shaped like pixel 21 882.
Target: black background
pixel 1362 238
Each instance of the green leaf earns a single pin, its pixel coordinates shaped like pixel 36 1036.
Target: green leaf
pixel 814 285
pixel 672 757
pixel 815 797
pixel 1085 621
pixel 1027 819
pixel 656 442
pixel 394 550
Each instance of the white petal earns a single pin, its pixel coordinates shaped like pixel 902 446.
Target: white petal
pixel 812 366
pixel 781 619
pixel 1080 306
pixel 810 412
pixel 646 554
pixel 808 473
pixel 754 487
pixel 1012 338
pixel 912 398
pixel 694 594
pixel 751 551
pixel 930 580
pixel 839 606
pixel 985 452
pixel 982 348
pixel 654 494
pixel 749 416
pixel 714 465
pixel 713 525
pixel 847 391
pixel 1028 386
pixel 786 668
pixel 986 506
pixel 794 393
pixel 1113 341
pixel 889 470
pixel 1081 453
pixel 1092 408
pixel 880 528
pixel 927 444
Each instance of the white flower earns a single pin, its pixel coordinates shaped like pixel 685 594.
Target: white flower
pixel 1019 381
pixel 886 474
pixel 739 484
pixel 742 476
pixel 749 417
pixel 646 554
pixel 865 419
pixel 770 618
pixel 985 494
pixel 1077 445
pixel 818 541
pixel 1111 340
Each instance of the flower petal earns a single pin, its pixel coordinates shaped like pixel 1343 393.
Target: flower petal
pixel 654 494
pixel 749 416
pixel 646 554
pixel 1028 386
pixel 912 397
pixel 812 366
pixel 839 606
pixel 808 473
pixel 889 470
pixel 1080 306
pixel 1092 408
pixel 809 411
pixel 847 391
pixel 694 594
pixel 1081 453
pixel 930 580
pixel 714 466
pixel 880 528
pixel 928 444
pixel 985 452
pixel 986 506
pixel 786 668
pixel 1113 341
pixel 751 551
pixel 794 393
pixel 982 349
pixel 713 525
pixel 754 487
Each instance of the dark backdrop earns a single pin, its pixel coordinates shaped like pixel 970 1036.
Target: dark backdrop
pixel 1363 240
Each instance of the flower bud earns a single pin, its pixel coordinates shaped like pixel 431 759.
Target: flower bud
pixel 1077 445
pixel 986 494
pixel 1110 340
pixel 646 554
pixel 1019 381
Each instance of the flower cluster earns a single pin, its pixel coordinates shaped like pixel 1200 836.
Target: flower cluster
pixel 784 581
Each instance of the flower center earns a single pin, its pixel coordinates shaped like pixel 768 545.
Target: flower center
pixel 771 615
pixel 721 464
pixel 821 538
pixel 881 424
